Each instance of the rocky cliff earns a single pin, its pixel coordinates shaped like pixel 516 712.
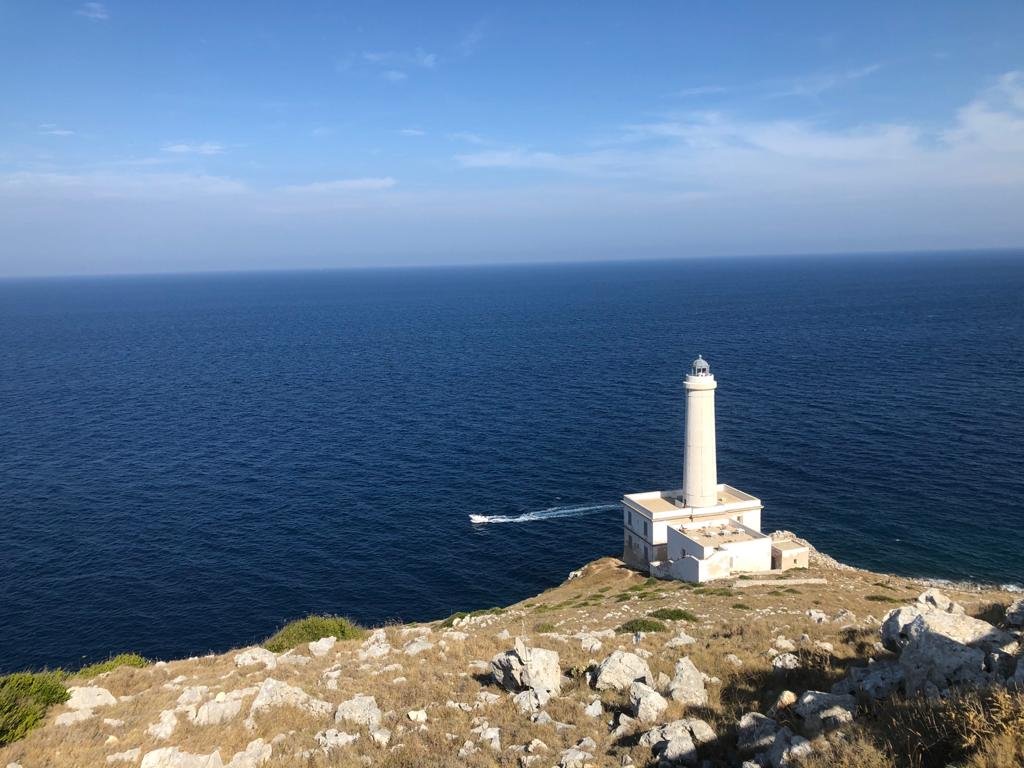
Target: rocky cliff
pixel 828 666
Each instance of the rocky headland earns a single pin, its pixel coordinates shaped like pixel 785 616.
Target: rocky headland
pixel 829 666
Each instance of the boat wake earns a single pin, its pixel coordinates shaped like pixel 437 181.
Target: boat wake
pixel 571 510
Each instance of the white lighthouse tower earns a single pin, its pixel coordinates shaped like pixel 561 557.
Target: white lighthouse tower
pixel 706 529
pixel 700 466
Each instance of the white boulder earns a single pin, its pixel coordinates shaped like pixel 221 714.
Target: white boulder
pixel 359 710
pixel 648 705
pixel 620 670
pixel 527 668
pixel 687 685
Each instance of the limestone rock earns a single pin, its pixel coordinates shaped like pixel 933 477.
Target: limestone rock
pixel 255 656
pixel 173 757
pixel 945 649
pixel 625 726
pixel 818 617
pixel 221 709
pixel 784 645
pixel 687 684
pixel 527 668
pixel 894 624
pixel 933 599
pixel 755 732
pixel 417 646
pixel 192 695
pixel 878 680
pixel 89 697
pixel 594 709
pixel 72 717
pixel 164 727
pixel 648 705
pixel 1015 613
pixel 822 712
pixel 787 749
pixel 620 670
pixel 530 700
pixel 255 754
pixel 468 750
pixel 681 639
pixel 359 710
pixel 733 659
pixel 574 757
pixel 417 715
pixel 381 736
pixel 322 646
pixel 785 661
pixel 275 693
pixel 332 739
pixel 375 646
pixel 677 742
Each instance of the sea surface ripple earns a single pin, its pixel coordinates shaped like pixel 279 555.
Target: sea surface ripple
pixel 187 462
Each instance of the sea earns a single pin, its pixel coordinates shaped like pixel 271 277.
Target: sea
pixel 187 462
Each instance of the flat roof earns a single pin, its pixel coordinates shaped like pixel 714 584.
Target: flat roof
pixel 717 535
pixel 661 502
pixel 787 545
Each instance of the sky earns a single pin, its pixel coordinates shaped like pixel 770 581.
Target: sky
pixel 147 136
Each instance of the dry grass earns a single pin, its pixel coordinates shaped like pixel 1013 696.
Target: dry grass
pixel 607 596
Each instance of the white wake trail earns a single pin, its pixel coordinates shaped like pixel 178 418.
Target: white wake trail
pixel 571 510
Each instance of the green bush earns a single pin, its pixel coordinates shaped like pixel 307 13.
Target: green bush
pixel 312 628
pixel 883 599
pixel 544 626
pixel 24 699
pixel 640 625
pixel 121 660
pixel 673 614
pixel 741 606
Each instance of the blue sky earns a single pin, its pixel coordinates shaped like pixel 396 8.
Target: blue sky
pixel 152 137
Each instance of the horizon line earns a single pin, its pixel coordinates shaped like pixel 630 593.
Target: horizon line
pixel 1003 250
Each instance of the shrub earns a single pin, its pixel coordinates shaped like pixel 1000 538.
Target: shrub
pixel 24 699
pixel 121 660
pixel 883 599
pixel 640 625
pixel 312 628
pixel 715 591
pixel 673 614
pixel 741 606
pixel 544 626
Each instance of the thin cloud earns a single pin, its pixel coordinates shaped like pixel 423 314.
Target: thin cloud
pixel 701 90
pixel 417 58
pixel 94 11
pixel 817 84
pixel 206 148
pixel 394 75
pixel 412 132
pixel 470 41
pixel 982 146
pixel 52 129
pixel 468 137
pixel 368 184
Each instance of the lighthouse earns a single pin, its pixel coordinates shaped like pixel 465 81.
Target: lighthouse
pixel 700 466
pixel 705 530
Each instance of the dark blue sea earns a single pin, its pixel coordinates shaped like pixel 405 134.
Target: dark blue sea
pixel 187 462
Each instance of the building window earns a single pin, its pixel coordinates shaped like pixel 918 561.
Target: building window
pixel 645 527
pixel 630 517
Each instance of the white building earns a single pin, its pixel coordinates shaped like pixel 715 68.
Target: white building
pixel 706 529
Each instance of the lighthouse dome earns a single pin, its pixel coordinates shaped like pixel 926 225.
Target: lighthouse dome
pixel 701 367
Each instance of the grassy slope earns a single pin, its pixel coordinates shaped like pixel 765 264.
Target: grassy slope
pixel 742 618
